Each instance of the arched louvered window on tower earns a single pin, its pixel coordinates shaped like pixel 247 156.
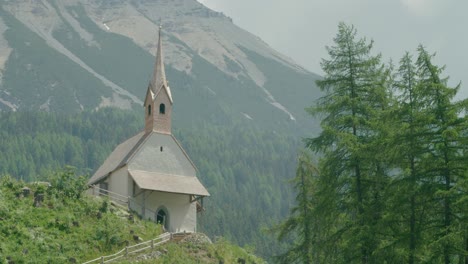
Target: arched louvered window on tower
pixel 162 109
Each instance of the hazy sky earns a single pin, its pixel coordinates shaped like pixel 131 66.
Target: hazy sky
pixel 301 29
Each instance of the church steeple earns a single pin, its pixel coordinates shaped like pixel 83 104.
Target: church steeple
pixel 158 101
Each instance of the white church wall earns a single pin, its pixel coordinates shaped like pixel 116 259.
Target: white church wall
pixel 131 186
pixel 118 182
pixel 182 213
pixel 136 203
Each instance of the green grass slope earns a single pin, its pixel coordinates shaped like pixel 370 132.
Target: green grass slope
pixel 192 250
pixel 68 226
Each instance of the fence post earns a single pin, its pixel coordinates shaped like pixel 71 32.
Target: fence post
pixel 152 244
pixel 102 260
pixel 126 251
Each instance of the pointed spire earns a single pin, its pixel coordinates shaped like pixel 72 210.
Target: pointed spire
pixel 159 75
pixel 158 101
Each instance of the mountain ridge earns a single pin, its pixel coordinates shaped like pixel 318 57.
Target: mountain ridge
pixel 96 35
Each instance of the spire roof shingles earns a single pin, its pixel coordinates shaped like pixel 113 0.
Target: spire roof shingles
pixel 158 80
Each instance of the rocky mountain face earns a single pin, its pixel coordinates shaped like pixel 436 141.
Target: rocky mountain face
pixel 72 55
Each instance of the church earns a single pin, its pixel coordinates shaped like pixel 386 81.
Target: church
pixel 151 170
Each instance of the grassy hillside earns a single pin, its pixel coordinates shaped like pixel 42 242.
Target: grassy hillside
pixel 244 166
pixel 66 225
pixel 191 250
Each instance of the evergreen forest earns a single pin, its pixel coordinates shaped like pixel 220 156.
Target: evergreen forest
pixel 386 179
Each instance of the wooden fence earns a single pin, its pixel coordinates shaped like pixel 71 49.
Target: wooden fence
pixel 130 203
pixel 133 249
pixel 118 198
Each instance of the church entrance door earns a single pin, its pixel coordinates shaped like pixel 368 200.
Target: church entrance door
pixel 162 218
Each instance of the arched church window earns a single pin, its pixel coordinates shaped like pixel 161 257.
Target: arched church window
pixel 149 109
pixel 162 109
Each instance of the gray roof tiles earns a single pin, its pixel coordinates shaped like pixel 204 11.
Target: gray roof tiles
pixel 156 161
pixel 117 158
pixel 168 183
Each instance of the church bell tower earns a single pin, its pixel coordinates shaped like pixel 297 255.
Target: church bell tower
pixel 158 101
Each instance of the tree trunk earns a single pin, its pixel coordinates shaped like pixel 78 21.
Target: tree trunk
pixel 447 205
pixel 412 245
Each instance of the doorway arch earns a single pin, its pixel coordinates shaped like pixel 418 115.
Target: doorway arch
pixel 162 217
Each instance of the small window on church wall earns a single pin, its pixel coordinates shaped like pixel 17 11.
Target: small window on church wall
pixel 161 148
pixel 162 109
pixel 149 109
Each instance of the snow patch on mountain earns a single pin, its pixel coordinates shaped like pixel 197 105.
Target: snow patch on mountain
pixel 10 105
pixel 247 116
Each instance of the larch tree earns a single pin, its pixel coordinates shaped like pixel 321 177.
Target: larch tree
pixel 446 164
pixel 301 224
pixel 408 190
pixel 393 164
pixel 350 144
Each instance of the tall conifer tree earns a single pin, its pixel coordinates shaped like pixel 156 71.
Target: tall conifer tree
pixel 409 188
pixel 446 165
pixel 301 223
pixel 352 107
